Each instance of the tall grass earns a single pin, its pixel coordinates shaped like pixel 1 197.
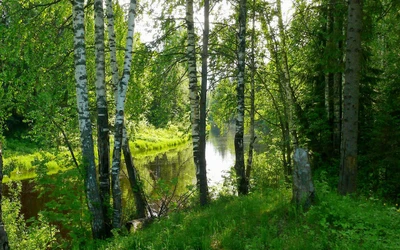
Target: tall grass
pixel 268 221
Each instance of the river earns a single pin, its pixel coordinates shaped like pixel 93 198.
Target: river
pixel 160 173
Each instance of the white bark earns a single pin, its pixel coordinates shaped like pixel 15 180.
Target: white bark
pixel 119 118
pixel 113 46
pixel 239 148
pixel 193 85
pixel 85 125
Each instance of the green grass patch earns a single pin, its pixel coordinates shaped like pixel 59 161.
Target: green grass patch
pixel 268 221
pixel 22 157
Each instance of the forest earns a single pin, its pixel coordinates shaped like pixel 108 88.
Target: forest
pixel 244 124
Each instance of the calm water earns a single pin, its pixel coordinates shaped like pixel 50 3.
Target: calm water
pixel 176 164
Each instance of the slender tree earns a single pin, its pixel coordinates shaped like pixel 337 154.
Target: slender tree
pixel 239 148
pixel 349 147
pixel 285 83
pixel 337 77
pixel 193 88
pixel 203 100
pixel 133 174
pixel 119 119
pixel 85 125
pixel 103 143
pixel 252 96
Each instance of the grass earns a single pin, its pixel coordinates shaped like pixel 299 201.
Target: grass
pixel 150 139
pixel 268 221
pixel 22 157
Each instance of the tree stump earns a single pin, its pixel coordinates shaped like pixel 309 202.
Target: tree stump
pixel 303 187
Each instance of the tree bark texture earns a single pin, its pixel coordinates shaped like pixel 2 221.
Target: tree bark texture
pixel 133 174
pixel 338 76
pixel 3 234
pixel 203 98
pixel 239 147
pixel 193 88
pixel 252 99
pixel 113 46
pixel 119 119
pixel 348 156
pixel 303 187
pixel 85 125
pixel 103 142
pixel 329 78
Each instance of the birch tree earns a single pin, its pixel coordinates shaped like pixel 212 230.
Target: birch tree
pixel 119 119
pixel 239 148
pixel 103 144
pixel 349 147
pixel 85 125
pixel 133 174
pixel 193 87
pixel 252 97
pixel 203 98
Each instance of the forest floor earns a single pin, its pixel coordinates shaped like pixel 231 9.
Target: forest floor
pixel 267 220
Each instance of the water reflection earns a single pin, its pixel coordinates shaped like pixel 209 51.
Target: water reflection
pixel 219 156
pixel 176 164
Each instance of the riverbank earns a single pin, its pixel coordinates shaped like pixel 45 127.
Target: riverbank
pixel 21 158
pixel 268 221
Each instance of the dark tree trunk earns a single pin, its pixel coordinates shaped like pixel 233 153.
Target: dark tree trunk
pixel 337 78
pixel 103 143
pixel 203 98
pixel 134 180
pixel 239 148
pixel 252 99
pixel 329 78
pixel 348 156
pixel 3 234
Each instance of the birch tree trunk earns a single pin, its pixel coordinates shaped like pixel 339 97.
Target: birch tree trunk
pixel 193 88
pixel 133 174
pixel 113 47
pixel 348 156
pixel 3 234
pixel 119 119
pixel 203 98
pixel 239 148
pixel 252 98
pixel 85 125
pixel 103 143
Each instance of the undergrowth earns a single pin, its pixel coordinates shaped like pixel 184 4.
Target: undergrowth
pixel 267 220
